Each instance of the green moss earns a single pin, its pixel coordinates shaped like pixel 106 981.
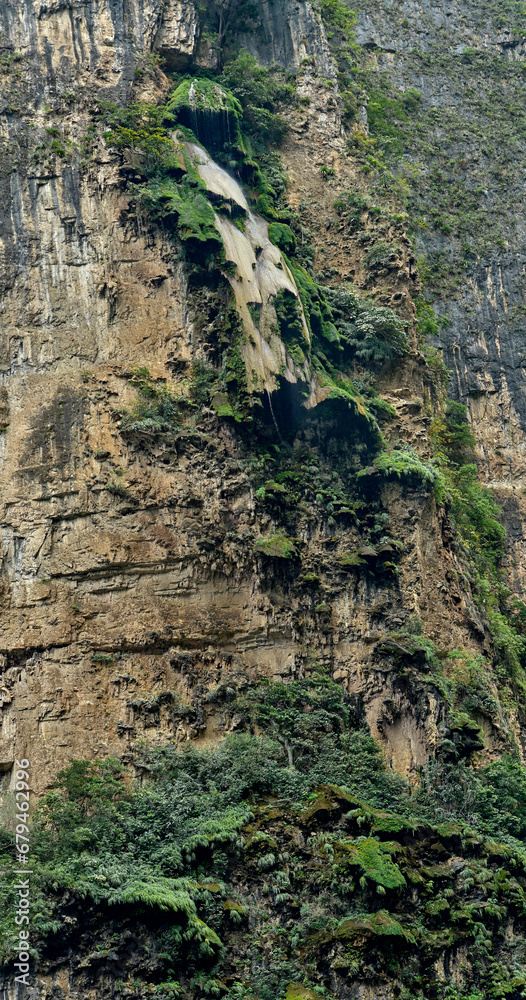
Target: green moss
pixel 182 205
pixel 380 924
pixel 211 113
pixel 351 560
pixel 315 306
pixel 282 236
pixel 374 859
pixel 290 320
pixel 298 991
pixel 233 374
pixel 278 546
pixel 222 405
pixel 202 95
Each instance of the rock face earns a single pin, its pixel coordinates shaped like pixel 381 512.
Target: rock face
pixel 290 35
pixel 177 35
pixel 150 572
pixel 129 574
pixel 466 204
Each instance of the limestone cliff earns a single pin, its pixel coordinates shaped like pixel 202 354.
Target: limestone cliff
pixel 225 459
pixel 101 590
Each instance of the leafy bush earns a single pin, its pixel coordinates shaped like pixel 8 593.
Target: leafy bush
pixel 140 127
pixel 476 515
pixel 156 409
pixel 456 436
pixel 373 333
pixel 491 798
pixel 260 91
pixel 318 731
pixel 156 844
pixel 405 464
pixel 380 254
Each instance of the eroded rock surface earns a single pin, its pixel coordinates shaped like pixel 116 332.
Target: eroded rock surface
pixel 120 562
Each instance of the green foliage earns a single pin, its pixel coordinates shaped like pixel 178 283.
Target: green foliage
pixel 113 844
pixel 260 91
pixel 314 301
pixel 509 641
pixel 380 924
pixel 225 20
pixel 443 157
pixel 491 799
pixel 170 191
pixel 291 324
pixel 405 464
pixel 204 95
pixel 278 546
pixel 211 113
pixel 208 833
pixel 140 127
pixel 457 437
pixel 428 324
pixel 386 112
pixel 317 728
pixel 373 333
pixel 282 236
pixel 374 859
pixel 339 21
pixel 342 327
pixel 351 206
pixel 233 375
pixel 337 14
pixel 202 383
pixel 156 410
pixel 82 805
pixel 475 512
pixel 182 205
pixel 287 483
pixel 476 516
pixel 380 254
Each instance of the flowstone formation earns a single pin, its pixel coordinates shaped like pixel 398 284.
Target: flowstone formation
pixel 262 634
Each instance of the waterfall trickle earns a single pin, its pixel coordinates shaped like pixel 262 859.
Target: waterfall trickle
pixel 211 112
pixel 194 117
pixel 278 432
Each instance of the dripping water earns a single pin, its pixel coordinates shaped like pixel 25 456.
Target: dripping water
pixel 273 416
pixel 227 129
pixel 211 127
pixel 194 124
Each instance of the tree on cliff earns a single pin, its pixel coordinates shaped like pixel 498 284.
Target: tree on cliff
pixel 223 16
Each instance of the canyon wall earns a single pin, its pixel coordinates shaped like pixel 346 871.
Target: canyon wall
pixel 120 612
